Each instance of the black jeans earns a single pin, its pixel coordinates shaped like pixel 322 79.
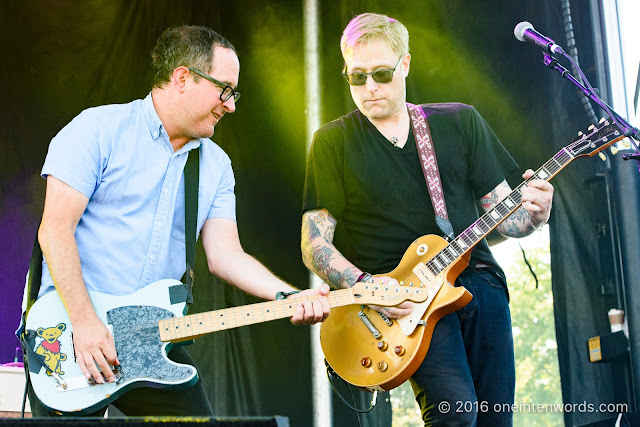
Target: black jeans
pixel 145 401
pixel 468 375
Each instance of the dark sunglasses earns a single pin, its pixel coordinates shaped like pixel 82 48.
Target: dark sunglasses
pixel 382 75
pixel 227 91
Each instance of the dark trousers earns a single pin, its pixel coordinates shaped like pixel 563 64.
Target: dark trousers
pixel 144 401
pixel 468 375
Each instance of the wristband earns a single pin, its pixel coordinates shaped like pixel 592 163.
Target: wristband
pixel 283 295
pixel 364 277
pixel 539 227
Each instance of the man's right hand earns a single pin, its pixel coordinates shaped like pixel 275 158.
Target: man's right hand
pixel 95 349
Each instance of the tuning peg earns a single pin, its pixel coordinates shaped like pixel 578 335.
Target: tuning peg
pixel 626 143
pixel 591 127
pixel 580 133
pixel 602 120
pixel 602 156
pixel 614 150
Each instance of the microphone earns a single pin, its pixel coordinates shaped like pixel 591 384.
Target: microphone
pixel 525 32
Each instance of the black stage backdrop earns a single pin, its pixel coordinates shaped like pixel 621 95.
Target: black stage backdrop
pixel 62 57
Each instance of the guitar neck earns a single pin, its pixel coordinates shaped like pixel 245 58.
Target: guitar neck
pixel 177 329
pixel 477 231
pixel 192 326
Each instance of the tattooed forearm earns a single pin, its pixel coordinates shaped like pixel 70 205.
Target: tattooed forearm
pixel 321 258
pixel 516 225
pixel 319 254
pixel 322 264
pixel 350 276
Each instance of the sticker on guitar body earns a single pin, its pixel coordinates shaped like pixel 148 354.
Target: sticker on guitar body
pixel 50 347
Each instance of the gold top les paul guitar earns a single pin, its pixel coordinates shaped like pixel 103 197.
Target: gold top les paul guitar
pixel 373 352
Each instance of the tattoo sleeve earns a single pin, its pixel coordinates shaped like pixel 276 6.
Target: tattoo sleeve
pixel 320 255
pixel 517 224
pixel 490 200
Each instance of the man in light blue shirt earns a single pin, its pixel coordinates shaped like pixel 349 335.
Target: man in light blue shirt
pixel 113 219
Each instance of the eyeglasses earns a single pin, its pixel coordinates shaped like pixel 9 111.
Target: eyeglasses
pixel 227 91
pixel 382 75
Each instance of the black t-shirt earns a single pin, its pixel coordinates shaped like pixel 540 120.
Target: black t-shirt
pixel 378 194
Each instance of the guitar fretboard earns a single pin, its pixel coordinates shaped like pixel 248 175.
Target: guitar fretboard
pixel 477 231
pixel 188 327
pixel 194 325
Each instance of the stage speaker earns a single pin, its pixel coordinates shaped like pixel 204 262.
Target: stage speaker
pixel 277 421
pixel 608 347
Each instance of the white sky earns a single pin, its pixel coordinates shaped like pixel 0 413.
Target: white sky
pixel 629 17
pixel 621 19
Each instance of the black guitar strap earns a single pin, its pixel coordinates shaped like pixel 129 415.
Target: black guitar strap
pixel 35 274
pixel 191 186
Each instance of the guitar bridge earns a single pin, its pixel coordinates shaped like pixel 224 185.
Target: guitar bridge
pixel 62 384
pixel 374 331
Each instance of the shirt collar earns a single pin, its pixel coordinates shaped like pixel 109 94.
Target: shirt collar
pixel 155 124
pixel 151 116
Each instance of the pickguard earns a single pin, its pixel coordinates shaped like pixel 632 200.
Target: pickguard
pixel 140 351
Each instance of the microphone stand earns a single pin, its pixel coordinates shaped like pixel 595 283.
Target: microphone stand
pixel 628 130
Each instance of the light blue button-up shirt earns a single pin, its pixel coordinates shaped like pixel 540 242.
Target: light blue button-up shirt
pixel 132 232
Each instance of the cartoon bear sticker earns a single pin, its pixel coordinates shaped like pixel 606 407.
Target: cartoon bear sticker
pixel 50 347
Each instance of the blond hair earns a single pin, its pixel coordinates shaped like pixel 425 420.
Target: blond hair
pixel 373 26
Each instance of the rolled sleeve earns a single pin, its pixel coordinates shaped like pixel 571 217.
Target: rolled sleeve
pixel 224 202
pixel 76 156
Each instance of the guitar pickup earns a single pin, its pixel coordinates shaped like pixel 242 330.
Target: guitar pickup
pixel 387 321
pixel 374 331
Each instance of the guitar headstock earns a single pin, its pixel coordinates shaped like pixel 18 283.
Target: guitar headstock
pixel 597 139
pixel 387 295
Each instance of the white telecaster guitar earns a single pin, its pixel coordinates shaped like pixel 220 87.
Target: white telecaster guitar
pixel 145 326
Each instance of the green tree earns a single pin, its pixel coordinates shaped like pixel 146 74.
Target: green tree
pixel 405 409
pixel 537 373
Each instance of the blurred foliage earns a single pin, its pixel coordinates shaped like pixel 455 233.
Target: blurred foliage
pixel 537 373
pixel 406 412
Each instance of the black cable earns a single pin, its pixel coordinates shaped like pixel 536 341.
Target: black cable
pixel 331 373
pixel 526 261
pixel 26 387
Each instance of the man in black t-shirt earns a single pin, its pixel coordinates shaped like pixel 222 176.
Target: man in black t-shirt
pixel 366 186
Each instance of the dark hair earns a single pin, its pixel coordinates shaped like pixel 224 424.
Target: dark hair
pixel 188 46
